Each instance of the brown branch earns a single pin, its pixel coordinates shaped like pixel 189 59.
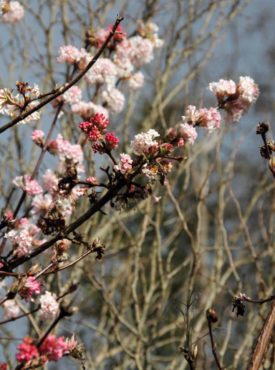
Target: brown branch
pixel 211 318
pixel 263 341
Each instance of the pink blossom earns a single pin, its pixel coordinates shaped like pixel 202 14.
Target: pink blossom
pixel 247 89
pixel 144 141
pixel 125 165
pixel 115 99
pixel 29 185
pixel 150 172
pixel 11 309
pixel 73 95
pixel 50 181
pixel 3 366
pixel 12 11
pixel 136 81
pixel 141 51
pixel 103 34
pixel 192 115
pixel 31 287
pixel 86 110
pixel 71 343
pixel 38 137
pixel 69 54
pixel 92 180
pixel 41 203
pixel 65 149
pixel 103 71
pixel 49 305
pixel 223 88
pixel 149 31
pixel 188 132
pixel 26 351
pixel 111 140
pixel 209 118
pixel 100 120
pixel 53 348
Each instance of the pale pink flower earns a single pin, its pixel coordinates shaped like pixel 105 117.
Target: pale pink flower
pixel 209 118
pixel 71 343
pixel 223 88
pixel 30 288
pixel 53 348
pixel 125 165
pixel 88 109
pixel 29 185
pixel 41 203
pixel 136 81
pixel 141 51
pixel 12 11
pixel 73 95
pixel 38 137
pixel 49 306
pixel 151 172
pixel 11 309
pixel 247 89
pixel 103 71
pixel 114 98
pixel 69 54
pixel 188 132
pixel 50 181
pixel 144 141
pixel 192 115
pixel 70 151
pixel 64 206
pixel 124 66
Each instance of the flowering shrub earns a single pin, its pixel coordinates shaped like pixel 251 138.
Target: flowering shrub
pixel 49 236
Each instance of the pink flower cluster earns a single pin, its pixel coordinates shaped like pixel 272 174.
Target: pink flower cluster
pixel 234 98
pixel 30 288
pixel 52 349
pixel 29 185
pixel 23 236
pixel 125 56
pixel 12 11
pixel 49 306
pixel 125 165
pixel 144 142
pixel 95 129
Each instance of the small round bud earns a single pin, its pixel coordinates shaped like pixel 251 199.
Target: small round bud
pixel 211 315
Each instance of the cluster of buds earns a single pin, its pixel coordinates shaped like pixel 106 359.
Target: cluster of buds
pixel 268 149
pixel 95 130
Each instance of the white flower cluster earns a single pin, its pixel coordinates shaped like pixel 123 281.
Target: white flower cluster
pixel 144 141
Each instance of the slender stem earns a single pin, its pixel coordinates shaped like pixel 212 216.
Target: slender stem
pixel 213 344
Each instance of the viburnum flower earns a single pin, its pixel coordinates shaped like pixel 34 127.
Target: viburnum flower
pixel 3 366
pixel 11 309
pixel 29 185
pixel 69 54
pixel 50 181
pixel 114 99
pixel 31 287
pixel 102 34
pixel 141 50
pixel 26 351
pixel 49 305
pixel 209 118
pixel 150 171
pixel 188 132
pixel 41 203
pixel 125 165
pixel 234 98
pixel 54 348
pixel 88 109
pixel 12 11
pixel 111 140
pixel 38 137
pixel 73 95
pixel 144 141
pixel 149 30
pixel 71 344
pixel 136 81
pixel 104 71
